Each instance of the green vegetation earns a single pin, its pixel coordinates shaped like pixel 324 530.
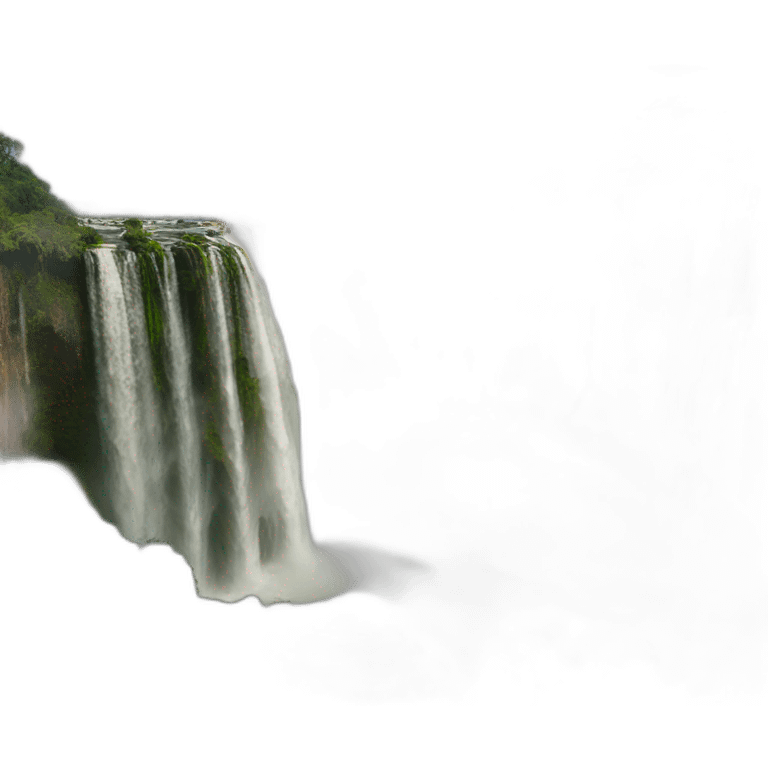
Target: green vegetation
pixel 140 242
pixel 150 257
pixel 247 385
pixel 194 246
pixel 35 226
pixel 43 292
pixel 153 314
pixel 194 268
pixel 232 263
pixel 192 250
pixel 213 442
pixel 248 389
pixel 187 280
pixel 41 249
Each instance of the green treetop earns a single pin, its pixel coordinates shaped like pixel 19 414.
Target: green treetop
pixel 34 224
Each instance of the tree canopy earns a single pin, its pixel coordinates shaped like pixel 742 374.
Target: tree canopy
pixel 34 224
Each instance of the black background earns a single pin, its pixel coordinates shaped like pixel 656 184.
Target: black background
pixel 523 305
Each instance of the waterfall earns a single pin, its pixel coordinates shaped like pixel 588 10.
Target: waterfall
pixel 182 464
pixel 232 421
pixel 23 324
pixel 187 429
pixel 129 407
pixel 265 354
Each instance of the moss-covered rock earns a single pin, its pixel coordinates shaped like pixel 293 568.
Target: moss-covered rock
pixel 194 237
pixel 248 390
pixel 64 426
pixel 139 241
pixel 214 444
pixel 195 247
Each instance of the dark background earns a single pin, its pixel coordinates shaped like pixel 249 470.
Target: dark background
pixel 523 305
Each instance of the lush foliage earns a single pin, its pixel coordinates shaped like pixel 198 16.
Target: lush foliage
pixel 140 242
pixel 193 246
pixel 150 256
pixel 35 226
pixel 40 245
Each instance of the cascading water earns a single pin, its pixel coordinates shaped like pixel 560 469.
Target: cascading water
pixel 287 509
pixel 231 420
pixel 128 404
pixel 190 469
pixel 186 461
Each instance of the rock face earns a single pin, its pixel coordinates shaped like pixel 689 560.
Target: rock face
pixel 14 403
pixel 44 404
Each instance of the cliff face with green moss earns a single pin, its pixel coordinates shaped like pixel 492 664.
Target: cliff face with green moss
pixel 47 366
pixel 144 355
pixel 50 412
pixel 116 360
pixel 44 403
pixel 47 372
